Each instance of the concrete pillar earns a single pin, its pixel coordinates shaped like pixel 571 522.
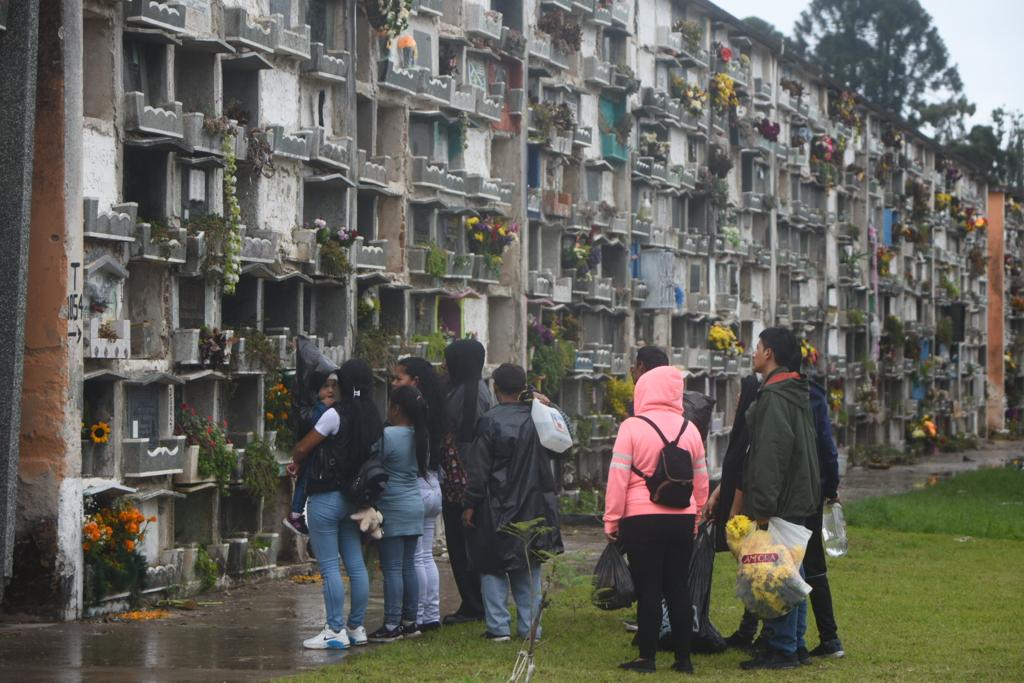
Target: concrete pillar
pixel 47 576
pixel 995 410
pixel 18 46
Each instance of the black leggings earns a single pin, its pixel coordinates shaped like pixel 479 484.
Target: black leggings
pixel 659 548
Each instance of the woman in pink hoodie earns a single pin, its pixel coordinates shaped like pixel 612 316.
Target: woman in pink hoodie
pixel 657 539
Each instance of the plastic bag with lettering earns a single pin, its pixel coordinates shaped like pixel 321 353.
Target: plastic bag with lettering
pixel 768 580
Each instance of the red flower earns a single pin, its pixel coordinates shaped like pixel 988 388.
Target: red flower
pixel 725 54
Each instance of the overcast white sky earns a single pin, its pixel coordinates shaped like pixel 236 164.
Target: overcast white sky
pixel 985 39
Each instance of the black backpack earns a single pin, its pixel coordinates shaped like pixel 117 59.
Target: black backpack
pixel 671 483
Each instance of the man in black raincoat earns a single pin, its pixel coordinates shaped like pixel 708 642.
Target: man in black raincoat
pixel 510 480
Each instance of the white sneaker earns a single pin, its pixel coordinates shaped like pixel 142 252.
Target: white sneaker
pixel 327 639
pixel 357 636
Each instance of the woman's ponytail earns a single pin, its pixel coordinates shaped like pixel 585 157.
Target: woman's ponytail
pixel 363 425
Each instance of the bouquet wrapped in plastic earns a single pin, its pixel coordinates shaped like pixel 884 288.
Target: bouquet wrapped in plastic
pixel 768 580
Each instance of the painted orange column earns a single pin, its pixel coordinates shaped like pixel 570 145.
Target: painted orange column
pixel 995 415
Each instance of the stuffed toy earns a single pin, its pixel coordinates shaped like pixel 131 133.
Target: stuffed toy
pixel 370 520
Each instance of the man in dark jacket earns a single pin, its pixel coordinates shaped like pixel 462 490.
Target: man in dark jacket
pixel 697 407
pixel 510 481
pixel 814 560
pixel 782 473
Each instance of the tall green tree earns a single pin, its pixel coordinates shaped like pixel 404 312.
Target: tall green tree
pixel 890 52
pixel 998 149
pixel 765 27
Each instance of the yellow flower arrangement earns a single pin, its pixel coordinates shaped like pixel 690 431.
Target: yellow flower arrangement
pixel 943 201
pixel 722 338
pixel 723 92
pixel 768 581
pixel 100 432
pixel 736 529
pixel 808 352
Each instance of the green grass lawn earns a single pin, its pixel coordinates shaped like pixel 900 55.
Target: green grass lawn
pixel 986 503
pixel 910 606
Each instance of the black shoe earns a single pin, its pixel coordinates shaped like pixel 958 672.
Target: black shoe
pixel 430 626
pixel 410 630
pixel 829 648
pixel 386 635
pixel 803 656
pixel 459 618
pixel 773 659
pixel 739 641
pixel 641 666
pixel 683 667
pixel 495 637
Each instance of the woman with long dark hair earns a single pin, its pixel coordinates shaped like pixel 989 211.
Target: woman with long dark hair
pixel 343 438
pixel 404 456
pixel 419 373
pixel 468 399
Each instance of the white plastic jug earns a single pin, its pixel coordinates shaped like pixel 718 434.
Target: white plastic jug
pixel 551 428
pixel 833 530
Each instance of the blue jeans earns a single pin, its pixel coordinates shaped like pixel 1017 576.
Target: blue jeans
pixel 299 496
pixel 525 592
pixel 401 585
pixel 330 531
pixel 786 633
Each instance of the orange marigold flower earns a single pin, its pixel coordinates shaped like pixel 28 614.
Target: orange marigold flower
pixel 129 545
pixel 153 518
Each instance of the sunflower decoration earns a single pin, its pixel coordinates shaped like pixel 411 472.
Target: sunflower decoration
pixel 99 432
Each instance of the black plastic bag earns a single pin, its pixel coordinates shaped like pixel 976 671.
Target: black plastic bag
pixel 613 584
pixel 697 408
pixel 706 638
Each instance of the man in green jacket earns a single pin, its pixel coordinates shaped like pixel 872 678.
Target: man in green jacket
pixel 782 472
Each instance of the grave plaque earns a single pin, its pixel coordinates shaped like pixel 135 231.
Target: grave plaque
pixel 657 268
pixel 192 303
pixel 143 413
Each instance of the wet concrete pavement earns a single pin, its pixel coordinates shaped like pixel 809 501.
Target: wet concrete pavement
pixel 256 631
pixel 254 634
pixel 861 482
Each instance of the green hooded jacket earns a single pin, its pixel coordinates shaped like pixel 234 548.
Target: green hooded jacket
pixel 782 472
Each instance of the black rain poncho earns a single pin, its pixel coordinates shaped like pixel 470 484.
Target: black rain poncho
pixel 510 480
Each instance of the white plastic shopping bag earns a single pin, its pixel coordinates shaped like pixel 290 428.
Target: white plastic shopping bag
pixel 551 428
pixel 768 581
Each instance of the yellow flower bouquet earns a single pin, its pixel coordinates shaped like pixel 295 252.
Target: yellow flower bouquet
pixel 768 581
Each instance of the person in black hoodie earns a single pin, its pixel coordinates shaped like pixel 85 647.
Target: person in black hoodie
pixel 468 399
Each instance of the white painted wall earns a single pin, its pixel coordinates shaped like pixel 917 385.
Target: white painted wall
pixel 280 199
pixel 99 166
pixel 279 98
pixel 476 156
pixel 475 319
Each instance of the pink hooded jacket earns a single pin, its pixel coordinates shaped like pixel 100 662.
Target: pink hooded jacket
pixel 659 397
